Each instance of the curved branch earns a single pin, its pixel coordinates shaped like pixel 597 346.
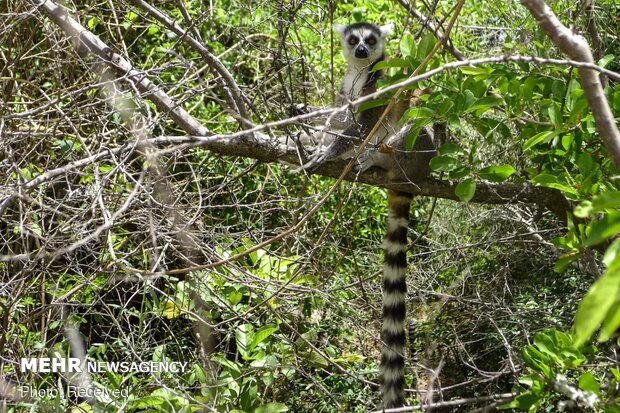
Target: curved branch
pixel 87 42
pixel 263 148
pixel 229 86
pixel 577 49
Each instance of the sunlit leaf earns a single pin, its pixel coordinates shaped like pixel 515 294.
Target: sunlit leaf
pixel 587 382
pixel 243 338
pixel 497 173
pixel 271 408
pixel 482 105
pixel 407 45
pixel 420 112
pixel 606 200
pixel 602 230
pixel 474 70
pixel 596 304
pixel 610 323
pixel 261 335
pixel 555 115
pixel 541 137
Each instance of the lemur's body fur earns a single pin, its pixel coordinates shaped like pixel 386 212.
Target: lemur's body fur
pixel 364 46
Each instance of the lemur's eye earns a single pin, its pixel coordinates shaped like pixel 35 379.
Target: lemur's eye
pixel 371 40
pixel 353 40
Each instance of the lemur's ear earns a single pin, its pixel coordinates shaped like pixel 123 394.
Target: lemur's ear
pixel 339 28
pixel 387 30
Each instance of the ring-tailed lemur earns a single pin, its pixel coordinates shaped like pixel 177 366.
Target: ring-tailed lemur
pixel 364 47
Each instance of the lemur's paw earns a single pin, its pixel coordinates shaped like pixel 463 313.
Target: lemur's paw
pixel 315 159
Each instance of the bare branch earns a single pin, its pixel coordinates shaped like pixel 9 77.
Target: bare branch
pixel 433 28
pixel 230 87
pixel 87 42
pixel 505 397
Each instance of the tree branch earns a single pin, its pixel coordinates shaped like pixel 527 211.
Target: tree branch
pixel 577 49
pixel 434 29
pixel 87 42
pixel 229 86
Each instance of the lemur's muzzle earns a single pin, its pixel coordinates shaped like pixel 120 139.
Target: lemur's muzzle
pixel 361 52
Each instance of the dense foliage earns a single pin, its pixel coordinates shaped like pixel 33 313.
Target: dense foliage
pixel 118 250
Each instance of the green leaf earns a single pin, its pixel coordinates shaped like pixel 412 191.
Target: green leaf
pixel 611 323
pixel 425 45
pixel 564 261
pixel 261 335
pixel 235 297
pixel 552 181
pixel 605 60
pixel 393 62
pixel 171 310
pixel 231 366
pixel 545 136
pixel 523 401
pixel 528 86
pixel 444 163
pixel 585 163
pixel 373 104
pixel 537 360
pixel 497 173
pixel 450 149
pixel 271 408
pixel 466 189
pixel 315 360
pixel 474 70
pixel 82 408
pixel 602 230
pixel 583 210
pixel 587 382
pixel 482 105
pixel 606 200
pixel 459 173
pixel 555 115
pixel 596 304
pixel 470 98
pixel 545 344
pixel 420 112
pixel 358 14
pixel 407 45
pixel 611 253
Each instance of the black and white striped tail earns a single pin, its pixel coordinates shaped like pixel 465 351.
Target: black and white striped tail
pixel 394 294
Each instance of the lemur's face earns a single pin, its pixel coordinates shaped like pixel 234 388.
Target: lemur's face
pixel 363 42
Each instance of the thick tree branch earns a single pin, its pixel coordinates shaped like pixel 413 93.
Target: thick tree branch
pixel 263 148
pixel 577 49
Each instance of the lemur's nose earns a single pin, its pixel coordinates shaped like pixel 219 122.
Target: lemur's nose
pixel 361 52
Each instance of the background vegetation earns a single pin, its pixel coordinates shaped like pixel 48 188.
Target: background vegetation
pixel 154 248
